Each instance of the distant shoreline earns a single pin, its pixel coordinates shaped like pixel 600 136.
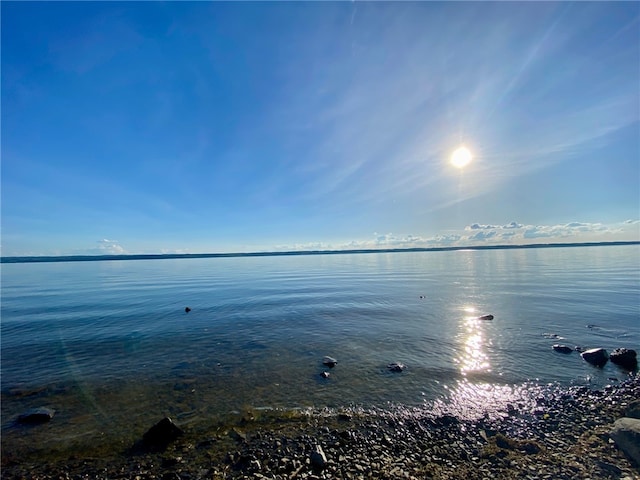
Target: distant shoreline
pixel 151 256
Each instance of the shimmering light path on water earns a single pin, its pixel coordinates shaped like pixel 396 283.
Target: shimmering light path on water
pixel 109 343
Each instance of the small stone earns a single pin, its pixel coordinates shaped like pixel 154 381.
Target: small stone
pixel 171 461
pixel 329 362
pixel 562 349
pixel 237 435
pixel 396 367
pixel 187 310
pixel 325 374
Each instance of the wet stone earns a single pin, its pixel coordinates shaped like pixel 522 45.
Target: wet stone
pixel 396 367
pixel 625 358
pixel 329 362
pixel 318 458
pixel 36 416
pixel 562 349
pixel 162 433
pixel 633 409
pixel 596 356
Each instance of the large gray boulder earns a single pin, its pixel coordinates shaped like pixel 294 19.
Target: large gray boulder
pixel 626 434
pixel 596 356
pixel 633 409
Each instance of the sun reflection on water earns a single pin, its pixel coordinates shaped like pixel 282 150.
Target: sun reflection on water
pixel 473 357
pixel 472 401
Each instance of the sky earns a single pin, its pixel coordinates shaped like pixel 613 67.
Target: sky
pixel 203 127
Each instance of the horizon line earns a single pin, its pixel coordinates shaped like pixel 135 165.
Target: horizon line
pixel 165 256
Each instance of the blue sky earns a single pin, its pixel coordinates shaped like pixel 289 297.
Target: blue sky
pixel 220 127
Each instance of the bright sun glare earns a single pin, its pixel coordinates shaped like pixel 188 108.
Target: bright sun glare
pixel 461 157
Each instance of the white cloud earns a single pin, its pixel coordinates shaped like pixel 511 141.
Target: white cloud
pixel 541 232
pixel 513 225
pixel 475 234
pixel 482 236
pixel 477 226
pixel 515 232
pixel 105 247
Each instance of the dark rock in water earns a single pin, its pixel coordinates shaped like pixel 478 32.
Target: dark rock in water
pixel 237 435
pixel 596 356
pixel 325 374
pixel 579 349
pixel 396 367
pixel 329 362
pixel 36 416
pixel 485 317
pixel 562 349
pixel 162 433
pixel 187 310
pixel 625 358
pixel 626 434
pixel 552 335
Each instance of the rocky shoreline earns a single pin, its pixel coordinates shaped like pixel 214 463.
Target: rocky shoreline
pixel 566 435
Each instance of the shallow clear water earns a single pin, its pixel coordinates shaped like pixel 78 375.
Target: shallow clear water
pixel 109 342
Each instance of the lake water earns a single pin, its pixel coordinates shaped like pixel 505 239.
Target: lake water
pixel 109 346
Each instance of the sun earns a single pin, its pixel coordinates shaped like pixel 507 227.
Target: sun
pixel 461 157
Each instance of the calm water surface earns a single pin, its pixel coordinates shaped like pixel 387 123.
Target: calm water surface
pixel 109 345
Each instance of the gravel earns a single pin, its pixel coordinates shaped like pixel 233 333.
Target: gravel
pixel 565 437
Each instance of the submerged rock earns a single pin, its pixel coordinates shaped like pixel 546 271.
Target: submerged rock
pixel 625 358
pixel 553 335
pixel 329 362
pixel 595 356
pixel 396 367
pixel 562 349
pixel 162 433
pixel 36 416
pixel 237 435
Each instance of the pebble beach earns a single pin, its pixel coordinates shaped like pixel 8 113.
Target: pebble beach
pixel 563 434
